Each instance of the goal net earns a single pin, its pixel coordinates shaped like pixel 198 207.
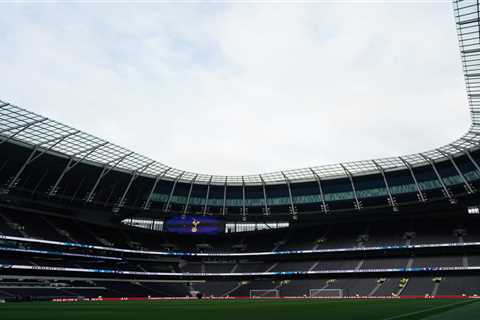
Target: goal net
pixel 272 293
pixel 326 293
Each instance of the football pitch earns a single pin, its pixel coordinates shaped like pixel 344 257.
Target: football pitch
pixel 388 309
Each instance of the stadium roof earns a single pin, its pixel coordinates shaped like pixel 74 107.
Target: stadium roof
pixel 20 125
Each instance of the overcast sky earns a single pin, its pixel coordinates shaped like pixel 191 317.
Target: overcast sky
pixel 241 88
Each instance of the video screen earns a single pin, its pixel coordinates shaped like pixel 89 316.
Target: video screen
pixel 194 224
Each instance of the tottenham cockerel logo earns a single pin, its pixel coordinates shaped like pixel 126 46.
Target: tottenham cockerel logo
pixel 195 224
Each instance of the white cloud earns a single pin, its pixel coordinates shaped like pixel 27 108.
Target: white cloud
pixel 241 88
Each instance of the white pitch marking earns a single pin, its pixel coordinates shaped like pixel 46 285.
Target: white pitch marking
pixel 428 309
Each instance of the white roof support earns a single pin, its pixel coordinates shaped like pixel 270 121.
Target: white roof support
pixel 387 187
pixel 29 160
pixel 244 207
pixel 469 140
pixel 57 140
pixel 292 204
pixel 105 170
pixel 34 191
pixel 474 142
pixel 467 185
pixel 134 176
pixel 225 197
pixel 189 194
pixel 265 202
pixel 21 129
pixel 23 126
pixel 358 205
pixel 72 162
pixel 447 192
pixel 35 154
pixel 324 206
pixel 205 207
pixel 74 195
pixel 154 186
pixel 420 194
pixel 167 205
pixel 86 152
pixel 469 156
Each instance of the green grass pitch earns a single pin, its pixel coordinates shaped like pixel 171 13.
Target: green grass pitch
pixel 392 309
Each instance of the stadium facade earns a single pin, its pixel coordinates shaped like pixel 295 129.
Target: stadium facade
pixel 64 193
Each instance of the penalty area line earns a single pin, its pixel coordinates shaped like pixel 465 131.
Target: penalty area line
pixel 400 316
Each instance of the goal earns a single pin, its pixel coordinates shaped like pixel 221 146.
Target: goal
pixel 326 293
pixel 271 293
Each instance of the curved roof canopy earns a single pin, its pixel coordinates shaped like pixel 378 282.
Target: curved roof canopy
pixel 20 125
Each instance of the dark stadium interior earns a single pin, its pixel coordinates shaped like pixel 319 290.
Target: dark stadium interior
pixel 82 217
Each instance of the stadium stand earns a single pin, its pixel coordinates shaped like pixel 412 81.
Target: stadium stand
pixel 354 283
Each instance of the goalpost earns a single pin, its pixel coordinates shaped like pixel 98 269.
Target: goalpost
pixel 326 293
pixel 271 293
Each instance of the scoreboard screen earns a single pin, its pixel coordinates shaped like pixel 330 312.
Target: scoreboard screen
pixel 194 224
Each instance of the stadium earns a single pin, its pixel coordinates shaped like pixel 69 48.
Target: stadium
pixel 89 229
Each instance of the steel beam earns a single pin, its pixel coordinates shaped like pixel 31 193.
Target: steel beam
pixel 205 207
pixel 320 191
pixel 387 187
pixel 157 179
pixel 189 194
pixel 88 151
pixel 33 156
pixel 134 176
pixel 439 178
pixel 57 140
pixel 72 162
pixel 225 196
pixel 105 170
pixel 475 142
pixel 292 205
pixel 420 194
pixel 167 206
pixel 12 183
pixel 244 207
pixel 74 195
pixel 39 182
pixel 23 126
pixel 358 205
pixel 265 196
pixel 470 157
pixel 467 185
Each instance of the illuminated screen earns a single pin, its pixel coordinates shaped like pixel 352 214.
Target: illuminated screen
pixel 194 225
